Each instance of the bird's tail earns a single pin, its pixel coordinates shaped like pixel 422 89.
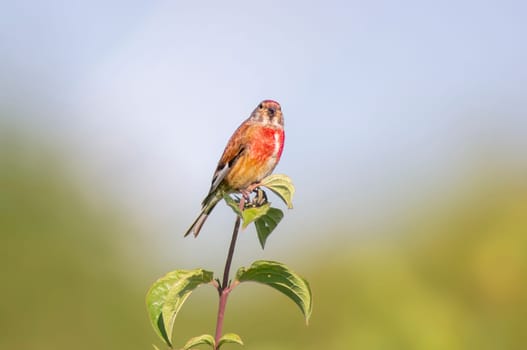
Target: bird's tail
pixel 208 204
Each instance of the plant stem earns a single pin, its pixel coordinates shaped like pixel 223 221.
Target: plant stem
pixel 221 313
pixel 225 282
pixel 224 288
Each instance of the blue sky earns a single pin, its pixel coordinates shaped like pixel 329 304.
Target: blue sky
pixel 384 102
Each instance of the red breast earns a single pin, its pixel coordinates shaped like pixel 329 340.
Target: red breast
pixel 268 144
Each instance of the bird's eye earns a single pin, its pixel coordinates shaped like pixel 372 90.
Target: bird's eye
pixel 260 106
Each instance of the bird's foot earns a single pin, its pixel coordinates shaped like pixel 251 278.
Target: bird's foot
pixel 259 199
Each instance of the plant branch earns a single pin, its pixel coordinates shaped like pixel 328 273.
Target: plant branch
pixel 230 255
pixel 224 288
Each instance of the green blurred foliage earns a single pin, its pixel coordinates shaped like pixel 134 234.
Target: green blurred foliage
pixel 75 272
pixel 452 277
pixel 63 280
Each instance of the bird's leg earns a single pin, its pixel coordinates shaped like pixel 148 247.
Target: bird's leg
pixel 260 197
pixel 253 186
pixel 246 194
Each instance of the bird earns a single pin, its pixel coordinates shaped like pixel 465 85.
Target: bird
pixel 251 154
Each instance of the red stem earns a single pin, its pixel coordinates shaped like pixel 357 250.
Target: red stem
pixel 221 313
pixel 224 288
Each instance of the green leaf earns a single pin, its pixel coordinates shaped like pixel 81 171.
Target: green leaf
pixel 167 295
pixel 282 186
pixel 155 347
pixel 281 278
pixel 248 215
pixel 267 223
pixel 252 214
pixel 206 339
pixel 230 338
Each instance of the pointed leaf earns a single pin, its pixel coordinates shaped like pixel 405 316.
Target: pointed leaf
pixel 248 215
pixel 206 339
pixel 281 278
pixel 167 295
pixel 230 338
pixel 251 214
pixel 267 223
pixel 155 299
pixel 179 293
pixel 282 186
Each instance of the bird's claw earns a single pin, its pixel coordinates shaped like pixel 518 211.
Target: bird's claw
pixel 259 198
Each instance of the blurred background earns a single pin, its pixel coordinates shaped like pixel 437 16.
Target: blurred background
pixel 406 138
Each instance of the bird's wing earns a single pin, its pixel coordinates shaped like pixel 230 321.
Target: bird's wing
pixel 223 169
pixel 234 149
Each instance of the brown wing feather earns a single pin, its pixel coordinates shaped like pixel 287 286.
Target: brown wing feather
pixel 234 149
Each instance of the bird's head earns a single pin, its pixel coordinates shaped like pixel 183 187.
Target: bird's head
pixel 269 113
